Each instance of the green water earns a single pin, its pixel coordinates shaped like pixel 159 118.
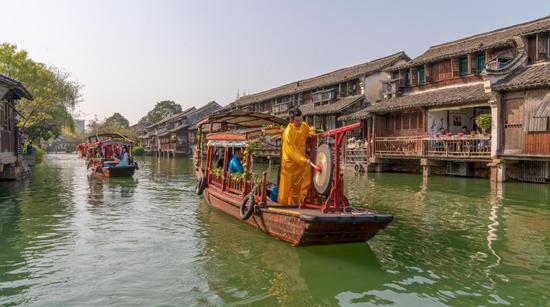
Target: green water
pixel 66 239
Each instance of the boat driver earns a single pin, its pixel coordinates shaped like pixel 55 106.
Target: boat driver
pixel 295 176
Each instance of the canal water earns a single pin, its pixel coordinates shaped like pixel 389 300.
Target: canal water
pixel 66 239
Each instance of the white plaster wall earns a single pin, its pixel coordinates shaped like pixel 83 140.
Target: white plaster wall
pixel 465 117
pixel 436 120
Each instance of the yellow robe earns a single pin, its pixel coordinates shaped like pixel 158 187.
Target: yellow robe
pixel 295 174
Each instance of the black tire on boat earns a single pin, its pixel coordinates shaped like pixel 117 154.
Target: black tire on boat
pixel 200 185
pixel 246 211
pixel 136 165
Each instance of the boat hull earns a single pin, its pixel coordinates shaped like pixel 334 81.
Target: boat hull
pixel 124 171
pixel 301 227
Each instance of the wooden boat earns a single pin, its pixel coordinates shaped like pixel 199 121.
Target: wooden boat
pixel 99 162
pixel 324 217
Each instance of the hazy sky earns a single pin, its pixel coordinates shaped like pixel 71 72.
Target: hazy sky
pixel 131 54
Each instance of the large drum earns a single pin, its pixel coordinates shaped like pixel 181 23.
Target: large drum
pixel 323 179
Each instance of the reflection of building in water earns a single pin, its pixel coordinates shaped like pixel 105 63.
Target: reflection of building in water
pixel 244 265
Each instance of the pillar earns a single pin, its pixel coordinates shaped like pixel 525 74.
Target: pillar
pixel 497 171
pixel 426 170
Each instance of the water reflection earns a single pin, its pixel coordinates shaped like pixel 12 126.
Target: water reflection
pixel 66 239
pixel 247 266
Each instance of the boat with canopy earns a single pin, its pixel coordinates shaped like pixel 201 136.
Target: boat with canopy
pixel 110 155
pixel 323 217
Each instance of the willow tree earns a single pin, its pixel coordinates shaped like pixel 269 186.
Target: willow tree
pixel 55 94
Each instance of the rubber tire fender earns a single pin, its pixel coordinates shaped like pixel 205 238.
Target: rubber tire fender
pixel 136 165
pixel 200 185
pixel 244 211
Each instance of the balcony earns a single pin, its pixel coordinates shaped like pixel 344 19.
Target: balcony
pixel 448 147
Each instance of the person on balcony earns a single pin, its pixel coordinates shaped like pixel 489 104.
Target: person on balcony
pixel 235 165
pixel 295 175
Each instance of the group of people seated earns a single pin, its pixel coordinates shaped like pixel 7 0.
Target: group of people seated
pixel 356 143
pixel 463 132
pixel 112 156
pixel 116 156
pixel 479 139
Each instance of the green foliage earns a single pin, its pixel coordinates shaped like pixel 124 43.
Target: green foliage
pixel 38 154
pixel 217 172
pixel 115 123
pixel 138 151
pixel 55 94
pixel 483 121
pixel 161 110
pixel 118 120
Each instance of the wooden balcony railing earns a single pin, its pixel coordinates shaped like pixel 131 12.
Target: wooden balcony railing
pixel 466 147
pixel 409 146
pixel 474 147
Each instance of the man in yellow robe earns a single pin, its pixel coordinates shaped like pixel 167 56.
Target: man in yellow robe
pixel 295 171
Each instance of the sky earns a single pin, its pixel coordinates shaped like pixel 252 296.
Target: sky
pixel 129 55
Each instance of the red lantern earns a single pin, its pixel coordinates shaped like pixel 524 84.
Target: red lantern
pixel 100 142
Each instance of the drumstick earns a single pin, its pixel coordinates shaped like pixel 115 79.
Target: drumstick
pixel 315 166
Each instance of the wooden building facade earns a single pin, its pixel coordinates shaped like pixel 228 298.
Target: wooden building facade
pixel 431 100
pixel 322 99
pixel 11 91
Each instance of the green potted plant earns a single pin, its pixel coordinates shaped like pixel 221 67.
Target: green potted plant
pixel 483 121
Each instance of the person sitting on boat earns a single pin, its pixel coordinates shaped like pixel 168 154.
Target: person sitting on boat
pixel 235 165
pixel 124 161
pixel 295 175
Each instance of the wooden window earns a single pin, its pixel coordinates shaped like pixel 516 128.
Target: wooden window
pixel 421 76
pixel 480 63
pixel 463 66
pixel 398 121
pixel 531 49
pixel 408 78
pixel 420 119
pixel 405 117
pixel 414 120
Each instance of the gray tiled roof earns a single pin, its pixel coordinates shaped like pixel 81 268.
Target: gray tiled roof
pixel 440 97
pixel 479 42
pixel 331 108
pixel 16 87
pixel 532 76
pixel 334 77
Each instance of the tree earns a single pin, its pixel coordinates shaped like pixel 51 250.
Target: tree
pixel 117 119
pixel 115 123
pixel 161 110
pixel 55 94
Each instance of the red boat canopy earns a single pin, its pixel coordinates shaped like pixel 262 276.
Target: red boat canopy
pixel 243 119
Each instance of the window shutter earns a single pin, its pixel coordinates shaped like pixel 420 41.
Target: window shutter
pixel 455 67
pixel 414 76
pixel 542 46
pixel 402 78
pixel 427 73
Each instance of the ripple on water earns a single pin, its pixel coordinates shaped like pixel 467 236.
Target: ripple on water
pixel 67 239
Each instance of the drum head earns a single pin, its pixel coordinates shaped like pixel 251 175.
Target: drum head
pixel 322 180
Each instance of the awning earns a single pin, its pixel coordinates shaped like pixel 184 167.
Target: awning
pixel 243 119
pixel 225 143
pixel 544 109
pixel 450 96
pixel 331 108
